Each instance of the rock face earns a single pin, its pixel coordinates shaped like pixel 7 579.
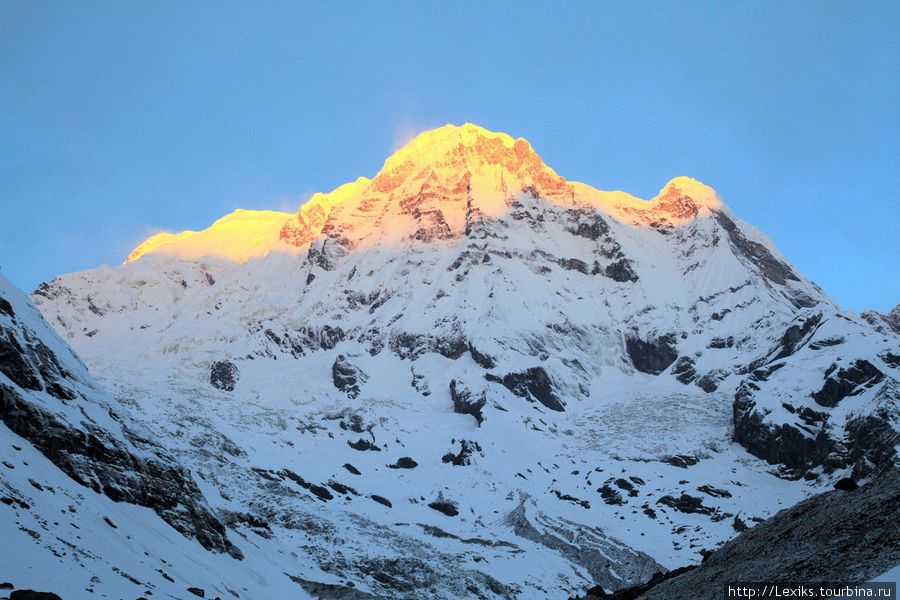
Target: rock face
pixel 466 454
pixel 224 375
pixel 591 548
pixel 32 595
pixel 683 370
pixel 756 253
pixel 534 384
pixel 686 504
pixel 827 538
pixel 96 459
pixel 442 505
pixel 652 356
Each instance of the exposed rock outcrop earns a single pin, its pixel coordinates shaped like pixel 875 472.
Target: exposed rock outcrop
pixel 346 376
pixel 652 356
pixel 621 271
pixel 33 595
pixel 467 450
pixel 534 384
pixel 683 370
pixel 122 464
pixel 883 322
pixel 412 345
pixel 770 267
pixel 856 378
pixel 445 506
pixel 865 442
pixel 224 375
pixel 94 458
pixel 467 402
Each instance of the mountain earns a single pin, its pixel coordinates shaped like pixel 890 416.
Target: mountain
pixel 470 377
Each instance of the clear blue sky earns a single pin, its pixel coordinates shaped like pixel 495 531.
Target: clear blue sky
pixel 118 119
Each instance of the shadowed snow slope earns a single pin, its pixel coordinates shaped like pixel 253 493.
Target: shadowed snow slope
pixel 468 376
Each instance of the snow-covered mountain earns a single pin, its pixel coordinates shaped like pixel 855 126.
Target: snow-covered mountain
pixel 466 376
pixel 883 322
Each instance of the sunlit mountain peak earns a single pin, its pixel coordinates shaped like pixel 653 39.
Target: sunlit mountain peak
pixel 465 150
pixel 432 188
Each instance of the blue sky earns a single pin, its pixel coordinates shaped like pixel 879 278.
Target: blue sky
pixel 118 119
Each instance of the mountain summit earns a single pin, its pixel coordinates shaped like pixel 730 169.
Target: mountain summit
pixel 465 152
pixel 464 377
pixel 433 187
pixel 445 178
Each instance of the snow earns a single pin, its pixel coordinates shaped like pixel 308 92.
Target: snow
pixel 238 236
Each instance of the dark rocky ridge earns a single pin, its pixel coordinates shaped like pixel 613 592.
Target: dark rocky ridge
pixel 856 378
pixel 769 266
pixel 445 506
pixel 467 450
pixel 33 595
pixel 810 439
pixel 774 443
pixel 883 322
pixel 620 271
pixel 797 334
pixel 590 548
pixel 868 443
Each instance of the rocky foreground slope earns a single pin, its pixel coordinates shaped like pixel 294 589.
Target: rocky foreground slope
pixel 849 536
pixel 464 377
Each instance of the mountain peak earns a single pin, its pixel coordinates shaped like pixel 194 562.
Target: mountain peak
pixel 436 182
pixel 683 198
pixel 435 143
pixel 701 194
pixel 464 150
pixel 432 183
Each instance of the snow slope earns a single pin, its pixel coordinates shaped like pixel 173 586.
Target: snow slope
pixel 239 236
